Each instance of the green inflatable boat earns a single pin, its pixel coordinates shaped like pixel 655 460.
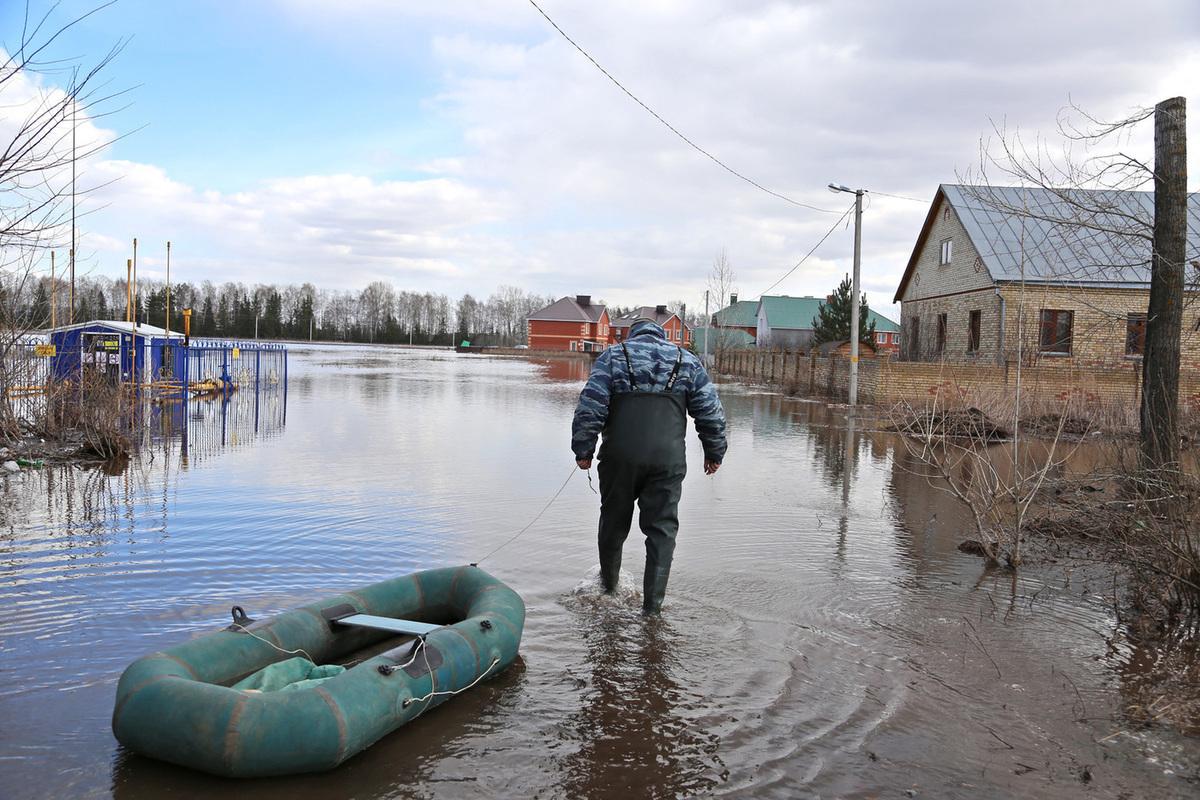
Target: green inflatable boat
pixel 270 698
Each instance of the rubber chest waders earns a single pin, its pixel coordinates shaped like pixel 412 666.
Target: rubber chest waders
pixel 642 459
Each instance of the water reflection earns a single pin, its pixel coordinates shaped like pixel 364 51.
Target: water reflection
pixel 816 640
pixel 634 735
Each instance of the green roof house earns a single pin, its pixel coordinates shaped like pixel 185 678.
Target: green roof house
pixel 787 322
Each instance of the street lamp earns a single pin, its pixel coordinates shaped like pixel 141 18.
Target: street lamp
pixel 854 293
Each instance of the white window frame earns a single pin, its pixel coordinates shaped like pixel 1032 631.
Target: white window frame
pixel 946 254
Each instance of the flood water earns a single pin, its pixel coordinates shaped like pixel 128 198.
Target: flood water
pixel 822 636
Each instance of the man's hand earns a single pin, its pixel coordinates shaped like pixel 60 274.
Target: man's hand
pixel 711 467
pixel 584 463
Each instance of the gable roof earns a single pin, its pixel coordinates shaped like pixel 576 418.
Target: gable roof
pixel 742 314
pixel 648 312
pixel 789 313
pixel 797 313
pixel 566 309
pixel 883 324
pixel 119 325
pixel 1039 236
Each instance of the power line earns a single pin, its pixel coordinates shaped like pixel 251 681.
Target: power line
pixel 820 242
pixel 671 127
pixel 900 197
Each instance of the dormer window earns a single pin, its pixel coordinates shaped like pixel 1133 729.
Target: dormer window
pixel 947 251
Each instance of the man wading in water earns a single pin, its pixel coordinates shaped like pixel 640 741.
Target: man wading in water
pixel 639 394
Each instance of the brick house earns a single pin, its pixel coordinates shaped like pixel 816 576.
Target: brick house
pixel 787 322
pixel 570 324
pixel 994 267
pixel 677 330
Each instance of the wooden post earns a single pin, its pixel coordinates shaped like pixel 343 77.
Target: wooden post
pixel 1160 364
pixel 53 295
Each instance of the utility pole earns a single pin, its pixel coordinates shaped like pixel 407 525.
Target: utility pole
pixel 1164 318
pixel 74 243
pixel 854 290
pixel 707 328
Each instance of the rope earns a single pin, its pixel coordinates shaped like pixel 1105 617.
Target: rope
pixel 297 651
pixel 433 683
pixel 550 502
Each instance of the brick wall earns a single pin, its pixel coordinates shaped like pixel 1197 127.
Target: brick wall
pixel 885 381
pixel 1099 324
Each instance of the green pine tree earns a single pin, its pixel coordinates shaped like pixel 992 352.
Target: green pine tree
pixel 832 323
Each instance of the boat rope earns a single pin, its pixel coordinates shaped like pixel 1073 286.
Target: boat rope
pixel 433 683
pixel 549 503
pixel 297 651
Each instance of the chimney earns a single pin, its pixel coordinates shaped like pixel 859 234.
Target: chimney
pixel 733 299
pixel 583 299
pixel 660 309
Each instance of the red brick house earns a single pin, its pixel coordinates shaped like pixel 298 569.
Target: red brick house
pixel 677 330
pixel 574 324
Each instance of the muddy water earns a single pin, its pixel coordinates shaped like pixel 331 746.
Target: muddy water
pixel 822 636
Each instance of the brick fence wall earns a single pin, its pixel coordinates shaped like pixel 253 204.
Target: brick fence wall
pixel 885 381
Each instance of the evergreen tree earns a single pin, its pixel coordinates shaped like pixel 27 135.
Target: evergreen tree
pixel 101 307
pixel 40 313
pixel 832 323
pixel 208 319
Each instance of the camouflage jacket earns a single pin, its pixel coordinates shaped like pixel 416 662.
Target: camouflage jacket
pixel 652 358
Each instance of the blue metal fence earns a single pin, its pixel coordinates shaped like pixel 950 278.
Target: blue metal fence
pixel 163 369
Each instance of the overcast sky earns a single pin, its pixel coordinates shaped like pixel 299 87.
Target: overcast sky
pixel 460 145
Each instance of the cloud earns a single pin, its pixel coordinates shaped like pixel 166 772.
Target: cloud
pixel 559 182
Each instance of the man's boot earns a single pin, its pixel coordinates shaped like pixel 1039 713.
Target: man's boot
pixel 610 571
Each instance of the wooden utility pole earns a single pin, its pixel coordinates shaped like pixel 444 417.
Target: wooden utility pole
pixel 1160 364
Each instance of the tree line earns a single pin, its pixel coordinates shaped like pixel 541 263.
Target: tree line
pixel 378 313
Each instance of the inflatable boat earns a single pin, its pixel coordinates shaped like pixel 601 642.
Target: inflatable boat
pixel 307 689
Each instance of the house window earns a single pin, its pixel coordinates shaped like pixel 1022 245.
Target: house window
pixel 914 339
pixel 1135 335
pixel 947 251
pixel 941 333
pixel 973 326
pixel 583 330
pixel 1055 331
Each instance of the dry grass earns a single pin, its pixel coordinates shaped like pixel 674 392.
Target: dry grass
pixel 93 411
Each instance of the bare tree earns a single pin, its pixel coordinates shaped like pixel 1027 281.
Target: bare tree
pixel 1090 222
pixel 38 159
pixel 720 289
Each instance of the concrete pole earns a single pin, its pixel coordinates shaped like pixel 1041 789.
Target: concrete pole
pixel 854 295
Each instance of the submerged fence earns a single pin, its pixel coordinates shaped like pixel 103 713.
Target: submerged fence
pixel 155 370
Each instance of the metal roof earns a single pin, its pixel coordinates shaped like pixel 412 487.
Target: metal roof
pixel 644 312
pixel 566 309
pixel 1089 237
pixel 742 314
pixel 797 313
pixel 121 326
